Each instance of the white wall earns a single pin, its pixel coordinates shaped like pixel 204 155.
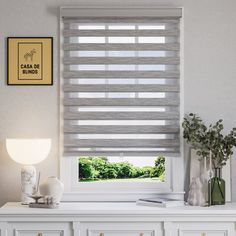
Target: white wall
pixel 210 75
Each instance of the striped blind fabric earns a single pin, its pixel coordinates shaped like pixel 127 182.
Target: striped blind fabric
pixel 121 86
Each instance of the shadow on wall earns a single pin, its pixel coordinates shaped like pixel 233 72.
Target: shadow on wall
pixel 9 177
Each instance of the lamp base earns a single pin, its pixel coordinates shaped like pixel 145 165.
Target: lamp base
pixel 28 181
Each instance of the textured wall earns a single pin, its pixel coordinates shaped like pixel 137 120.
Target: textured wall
pixel 209 75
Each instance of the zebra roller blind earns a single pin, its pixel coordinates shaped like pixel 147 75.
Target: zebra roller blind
pixel 121 83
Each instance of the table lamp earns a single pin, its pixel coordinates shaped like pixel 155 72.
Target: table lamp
pixel 28 152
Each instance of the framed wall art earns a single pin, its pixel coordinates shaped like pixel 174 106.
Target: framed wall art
pixel 30 61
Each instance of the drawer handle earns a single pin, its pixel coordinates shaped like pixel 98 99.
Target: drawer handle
pixel 203 234
pixel 40 234
pixel 102 234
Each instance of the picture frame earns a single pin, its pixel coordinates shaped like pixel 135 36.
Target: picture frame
pixel 30 61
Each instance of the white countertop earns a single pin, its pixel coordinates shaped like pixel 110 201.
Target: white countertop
pixel 122 208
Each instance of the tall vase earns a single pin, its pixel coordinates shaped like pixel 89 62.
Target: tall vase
pixel 216 188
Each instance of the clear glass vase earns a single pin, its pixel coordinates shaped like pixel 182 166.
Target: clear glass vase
pixel 216 188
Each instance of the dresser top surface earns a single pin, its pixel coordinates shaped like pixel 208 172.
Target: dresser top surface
pixel 124 208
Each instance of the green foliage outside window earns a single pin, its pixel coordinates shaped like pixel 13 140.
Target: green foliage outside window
pixel 99 168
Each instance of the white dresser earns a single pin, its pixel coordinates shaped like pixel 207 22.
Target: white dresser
pixel 117 219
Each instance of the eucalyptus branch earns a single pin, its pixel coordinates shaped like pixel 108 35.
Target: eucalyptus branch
pixel 205 139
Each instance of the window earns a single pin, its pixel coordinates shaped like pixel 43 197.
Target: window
pixel 121 98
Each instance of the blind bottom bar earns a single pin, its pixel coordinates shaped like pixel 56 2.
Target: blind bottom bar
pixel 115 153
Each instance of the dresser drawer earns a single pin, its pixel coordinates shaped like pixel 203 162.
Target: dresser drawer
pixel 120 229
pixel 204 229
pixel 203 233
pixel 119 232
pixel 38 233
pixel 40 229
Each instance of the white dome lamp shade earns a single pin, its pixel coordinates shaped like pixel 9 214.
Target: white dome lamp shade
pixel 28 152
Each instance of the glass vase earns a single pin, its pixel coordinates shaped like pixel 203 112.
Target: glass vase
pixel 216 188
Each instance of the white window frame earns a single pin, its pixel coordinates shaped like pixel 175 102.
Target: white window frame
pixel 94 191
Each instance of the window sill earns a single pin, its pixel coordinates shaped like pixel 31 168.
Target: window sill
pixel 106 196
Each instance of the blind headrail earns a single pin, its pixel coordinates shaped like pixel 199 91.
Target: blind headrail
pixel 86 11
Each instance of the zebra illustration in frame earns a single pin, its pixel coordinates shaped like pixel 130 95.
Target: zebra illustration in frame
pixel 30 55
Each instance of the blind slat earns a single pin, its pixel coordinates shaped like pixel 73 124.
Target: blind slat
pixel 141 20
pixel 121 74
pixel 121 47
pixel 121 60
pixel 118 129
pixel 168 115
pixel 119 33
pixel 121 102
pixel 120 88
pixel 141 143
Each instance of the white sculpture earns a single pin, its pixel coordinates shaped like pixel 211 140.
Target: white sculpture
pixel 196 194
